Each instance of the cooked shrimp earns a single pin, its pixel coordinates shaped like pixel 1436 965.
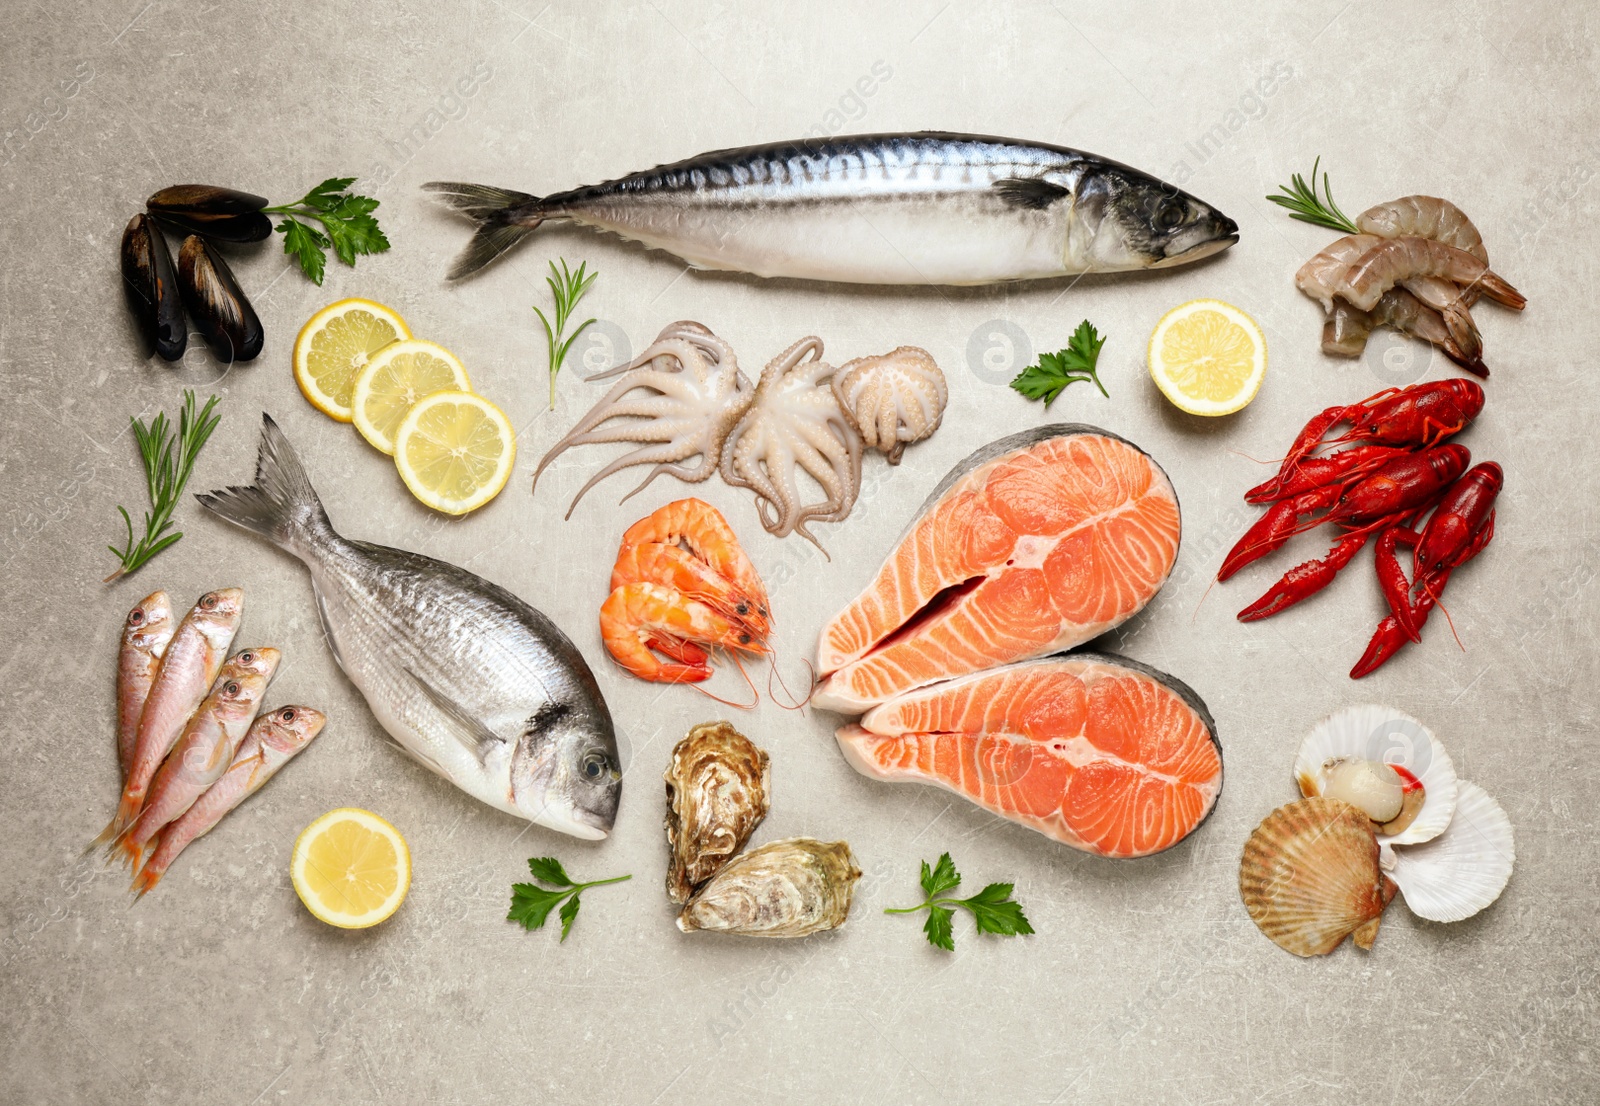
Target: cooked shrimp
pixel 639 618
pixel 1394 260
pixel 701 529
pixel 654 562
pixel 1323 276
pixel 1424 217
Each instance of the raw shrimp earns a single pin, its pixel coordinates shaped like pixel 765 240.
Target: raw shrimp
pixel 1394 260
pixel 638 618
pixel 1322 277
pixel 1424 217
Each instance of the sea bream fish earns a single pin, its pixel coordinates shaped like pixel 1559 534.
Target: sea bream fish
pixel 925 208
pixel 470 680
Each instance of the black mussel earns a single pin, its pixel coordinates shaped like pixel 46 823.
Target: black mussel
pixel 151 286
pixel 221 312
pixel 221 214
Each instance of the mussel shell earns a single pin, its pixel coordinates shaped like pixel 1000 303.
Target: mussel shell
pixel 221 312
pixel 151 288
pixel 790 888
pixel 221 214
pixel 719 788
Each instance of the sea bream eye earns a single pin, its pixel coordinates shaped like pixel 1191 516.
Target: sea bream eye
pixel 594 766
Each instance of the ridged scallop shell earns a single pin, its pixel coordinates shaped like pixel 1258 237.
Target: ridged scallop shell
pixel 1310 877
pixel 894 399
pixel 1462 870
pixel 790 888
pixel 1375 732
pixel 719 788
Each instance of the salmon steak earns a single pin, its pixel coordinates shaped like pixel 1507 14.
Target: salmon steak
pixel 1092 750
pixel 1034 544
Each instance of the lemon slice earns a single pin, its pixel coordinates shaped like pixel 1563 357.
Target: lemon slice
pixel 335 344
pixel 351 868
pixel 397 376
pixel 1208 357
pixel 454 450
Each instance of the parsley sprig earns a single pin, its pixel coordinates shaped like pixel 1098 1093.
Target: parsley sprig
pixel 1050 377
pixel 1307 205
pixel 566 288
pixel 531 904
pixel 168 459
pixel 992 909
pixel 348 226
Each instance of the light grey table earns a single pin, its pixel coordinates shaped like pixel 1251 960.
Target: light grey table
pixel 1146 980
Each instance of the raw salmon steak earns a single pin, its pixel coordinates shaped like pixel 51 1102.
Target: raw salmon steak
pixel 1034 544
pixel 1096 751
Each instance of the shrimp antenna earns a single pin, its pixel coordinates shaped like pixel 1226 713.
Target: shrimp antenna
pixel 794 703
pixel 756 695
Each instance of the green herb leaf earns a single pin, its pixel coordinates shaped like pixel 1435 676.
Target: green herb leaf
pixel 569 911
pixel 168 460
pixel 1055 371
pixel 940 928
pixel 348 226
pixel 942 877
pixel 531 904
pixel 1307 205
pixel 992 909
pixel 305 244
pixel 547 869
pixel 566 289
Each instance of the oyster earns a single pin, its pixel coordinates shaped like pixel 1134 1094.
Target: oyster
pixel 1310 877
pixel 151 287
pixel 719 787
pixel 1354 752
pixel 790 888
pixel 894 399
pixel 220 310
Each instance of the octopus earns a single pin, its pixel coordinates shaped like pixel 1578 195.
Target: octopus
pixel 796 422
pixel 685 397
pixel 894 400
pixel 682 398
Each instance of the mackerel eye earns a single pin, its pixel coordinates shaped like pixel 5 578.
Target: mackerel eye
pixel 286 714
pixel 1169 215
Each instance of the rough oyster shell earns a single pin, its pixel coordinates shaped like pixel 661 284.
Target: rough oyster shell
pixel 719 787
pixel 1380 733
pixel 1310 877
pixel 894 399
pixel 1462 870
pixel 790 888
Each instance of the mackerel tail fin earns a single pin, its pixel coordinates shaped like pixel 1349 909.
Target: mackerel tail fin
pixel 502 216
pixel 281 505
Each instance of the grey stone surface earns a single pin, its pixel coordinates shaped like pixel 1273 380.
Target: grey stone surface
pixel 1146 980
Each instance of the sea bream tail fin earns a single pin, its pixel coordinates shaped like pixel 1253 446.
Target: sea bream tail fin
pixel 281 505
pixel 504 218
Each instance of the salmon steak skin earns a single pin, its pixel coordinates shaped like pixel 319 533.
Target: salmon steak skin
pixel 1034 544
pixel 1093 750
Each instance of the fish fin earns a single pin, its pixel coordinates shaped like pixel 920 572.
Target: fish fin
pixel 497 211
pixel 479 739
pixel 1033 194
pixel 281 505
pixel 327 628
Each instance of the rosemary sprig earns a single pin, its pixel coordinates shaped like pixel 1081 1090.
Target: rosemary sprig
pixel 566 288
pixel 168 460
pixel 1306 205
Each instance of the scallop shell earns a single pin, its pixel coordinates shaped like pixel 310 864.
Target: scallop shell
pixel 1375 732
pixel 1462 870
pixel 790 888
pixel 1310 877
pixel 894 399
pixel 719 787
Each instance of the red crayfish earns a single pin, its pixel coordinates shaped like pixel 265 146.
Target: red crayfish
pixel 1383 486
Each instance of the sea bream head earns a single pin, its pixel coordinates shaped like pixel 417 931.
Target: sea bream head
pixel 565 772
pixel 1134 221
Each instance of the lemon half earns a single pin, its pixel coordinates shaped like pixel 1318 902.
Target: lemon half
pixel 335 344
pixel 351 868
pixel 1208 357
pixel 454 450
pixel 393 381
